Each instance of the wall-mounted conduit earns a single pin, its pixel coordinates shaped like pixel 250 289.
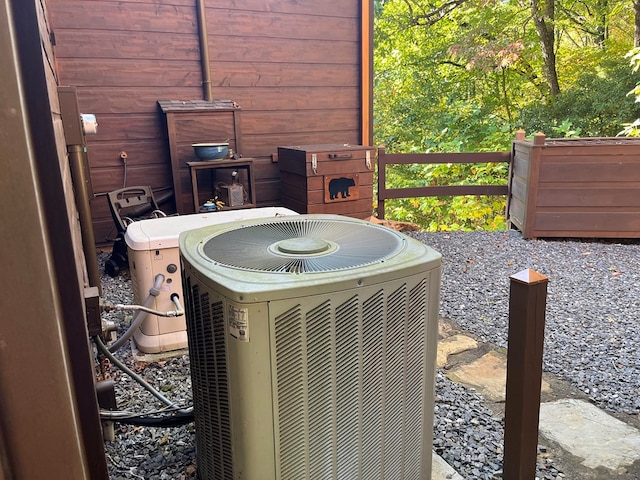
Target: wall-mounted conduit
pixel 204 50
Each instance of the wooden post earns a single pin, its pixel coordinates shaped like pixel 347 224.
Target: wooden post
pixel 539 138
pixel 528 293
pixel 382 181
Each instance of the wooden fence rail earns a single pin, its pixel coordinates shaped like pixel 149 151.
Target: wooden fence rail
pixel 385 159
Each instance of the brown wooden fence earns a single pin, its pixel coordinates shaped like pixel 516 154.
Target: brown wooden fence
pixel 385 159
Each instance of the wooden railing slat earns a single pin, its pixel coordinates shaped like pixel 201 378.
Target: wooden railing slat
pixel 385 159
pixel 443 191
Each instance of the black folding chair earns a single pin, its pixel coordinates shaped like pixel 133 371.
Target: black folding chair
pixel 128 205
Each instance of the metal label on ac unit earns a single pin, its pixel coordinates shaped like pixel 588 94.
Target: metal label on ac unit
pixel 238 320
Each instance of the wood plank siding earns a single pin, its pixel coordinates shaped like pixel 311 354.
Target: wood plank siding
pixel 294 68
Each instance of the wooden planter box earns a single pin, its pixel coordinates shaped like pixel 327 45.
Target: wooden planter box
pixel 332 179
pixel 575 187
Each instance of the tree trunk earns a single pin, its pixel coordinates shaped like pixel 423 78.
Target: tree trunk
pixel 543 13
pixel 602 27
pixel 636 33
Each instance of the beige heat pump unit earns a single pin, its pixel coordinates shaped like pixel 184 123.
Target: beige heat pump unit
pixel 312 342
pixel 152 247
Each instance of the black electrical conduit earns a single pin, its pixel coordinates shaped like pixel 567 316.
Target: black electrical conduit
pixel 173 417
pixel 179 416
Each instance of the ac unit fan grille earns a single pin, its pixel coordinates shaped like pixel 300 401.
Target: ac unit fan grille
pixel 301 245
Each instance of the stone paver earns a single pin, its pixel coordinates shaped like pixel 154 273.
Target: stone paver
pixel 590 433
pixel 441 470
pixel 577 426
pixel 452 345
pixel 489 374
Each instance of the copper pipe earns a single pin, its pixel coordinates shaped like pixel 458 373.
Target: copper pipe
pixel 81 183
pixel 204 50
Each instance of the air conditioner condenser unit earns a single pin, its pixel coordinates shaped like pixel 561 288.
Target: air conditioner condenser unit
pixel 152 247
pixel 312 343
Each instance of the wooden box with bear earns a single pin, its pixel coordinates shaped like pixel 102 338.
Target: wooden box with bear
pixel 334 179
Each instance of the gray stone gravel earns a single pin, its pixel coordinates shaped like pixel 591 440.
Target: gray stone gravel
pixel 592 333
pixel 591 340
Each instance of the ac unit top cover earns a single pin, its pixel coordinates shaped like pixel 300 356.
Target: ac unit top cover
pixel 268 259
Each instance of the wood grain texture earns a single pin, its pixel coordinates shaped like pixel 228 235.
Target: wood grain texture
pixel 293 67
pixel 577 188
pixel 304 186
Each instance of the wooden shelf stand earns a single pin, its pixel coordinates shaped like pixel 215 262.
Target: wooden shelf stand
pixel 244 166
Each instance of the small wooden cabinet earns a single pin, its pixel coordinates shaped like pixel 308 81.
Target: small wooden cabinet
pixel 333 179
pixel 208 176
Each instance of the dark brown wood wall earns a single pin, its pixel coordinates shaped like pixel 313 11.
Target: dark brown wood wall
pixel 293 67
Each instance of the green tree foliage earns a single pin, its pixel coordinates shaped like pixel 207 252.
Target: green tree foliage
pixel 633 129
pixel 597 104
pixel 463 75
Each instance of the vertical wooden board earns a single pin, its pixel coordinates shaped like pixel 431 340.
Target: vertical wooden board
pixel 517 213
pixel 533 176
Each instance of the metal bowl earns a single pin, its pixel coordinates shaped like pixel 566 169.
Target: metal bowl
pixel 211 151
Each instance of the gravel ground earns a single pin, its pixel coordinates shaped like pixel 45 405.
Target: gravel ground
pixel 593 303
pixel 591 341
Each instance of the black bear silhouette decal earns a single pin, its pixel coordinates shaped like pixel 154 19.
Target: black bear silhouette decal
pixel 340 186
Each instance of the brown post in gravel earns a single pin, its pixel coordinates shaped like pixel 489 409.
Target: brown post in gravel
pixel 527 302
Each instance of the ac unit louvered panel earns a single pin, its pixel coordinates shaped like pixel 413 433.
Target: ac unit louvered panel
pixel 207 347
pixel 417 388
pixel 394 382
pixel 373 318
pixel 348 419
pixel 320 392
pixel 291 394
pixel 359 386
